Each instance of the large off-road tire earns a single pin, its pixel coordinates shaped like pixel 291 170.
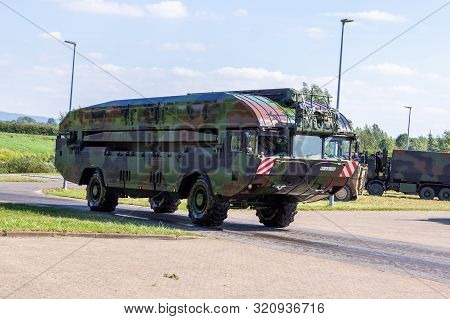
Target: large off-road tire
pixel 204 208
pixel 444 194
pixel 375 189
pixel 99 198
pixel 164 204
pixel 344 194
pixel 427 193
pixel 278 215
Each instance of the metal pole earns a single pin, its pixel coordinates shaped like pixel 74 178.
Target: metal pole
pixel 340 66
pixel 409 124
pixel 343 21
pixel 71 90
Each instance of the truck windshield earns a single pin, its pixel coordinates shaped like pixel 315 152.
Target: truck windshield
pixel 316 147
pixel 306 146
pixel 336 147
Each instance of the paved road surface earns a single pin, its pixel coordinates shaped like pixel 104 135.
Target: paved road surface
pixel 383 241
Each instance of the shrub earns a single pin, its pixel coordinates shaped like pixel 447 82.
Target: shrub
pixel 14 162
pixel 23 128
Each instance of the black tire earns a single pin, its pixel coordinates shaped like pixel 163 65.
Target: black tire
pixel 375 189
pixel 204 208
pixel 344 194
pixel 99 198
pixel 165 204
pixel 427 193
pixel 444 194
pixel 279 215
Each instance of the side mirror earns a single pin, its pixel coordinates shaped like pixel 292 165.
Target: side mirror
pixel 356 147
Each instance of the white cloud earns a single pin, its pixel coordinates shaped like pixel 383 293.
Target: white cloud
pixel 50 70
pixel 95 55
pixel 180 71
pixel 167 9
pixel 389 69
pixel 240 12
pixel 44 89
pixel 180 46
pixel 163 9
pixel 113 68
pixel 407 89
pixel 104 7
pixel 52 35
pixel 371 15
pixel 259 74
pixel 314 33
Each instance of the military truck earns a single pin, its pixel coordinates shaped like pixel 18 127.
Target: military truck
pixel 355 185
pixel 410 172
pixel 264 149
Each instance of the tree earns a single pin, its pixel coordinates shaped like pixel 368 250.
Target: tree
pixel 25 120
pixel 418 144
pixel 432 145
pixel 62 115
pixel 401 141
pixel 373 139
pixel 51 121
pixel 444 142
pixel 318 95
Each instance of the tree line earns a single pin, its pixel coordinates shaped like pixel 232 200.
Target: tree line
pixel 373 139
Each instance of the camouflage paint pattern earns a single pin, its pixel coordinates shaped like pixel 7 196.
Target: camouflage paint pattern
pixel 145 146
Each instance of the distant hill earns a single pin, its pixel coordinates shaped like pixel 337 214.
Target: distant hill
pixel 6 116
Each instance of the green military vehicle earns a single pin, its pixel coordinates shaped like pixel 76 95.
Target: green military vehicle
pixel 410 172
pixel 264 149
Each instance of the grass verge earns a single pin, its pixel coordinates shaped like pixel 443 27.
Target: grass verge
pixel 19 179
pixel 391 201
pixel 14 217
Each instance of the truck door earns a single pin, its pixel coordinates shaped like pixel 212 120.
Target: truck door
pixel 241 148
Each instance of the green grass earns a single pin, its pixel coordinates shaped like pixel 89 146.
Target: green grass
pixel 14 217
pixel 19 179
pixel 390 201
pixel 26 143
pixel 26 153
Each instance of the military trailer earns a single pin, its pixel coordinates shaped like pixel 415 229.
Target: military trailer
pixel 264 149
pixel 410 172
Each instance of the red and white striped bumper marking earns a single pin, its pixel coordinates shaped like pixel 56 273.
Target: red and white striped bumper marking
pixel 349 169
pixel 265 166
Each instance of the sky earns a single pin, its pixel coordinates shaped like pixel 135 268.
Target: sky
pixel 160 48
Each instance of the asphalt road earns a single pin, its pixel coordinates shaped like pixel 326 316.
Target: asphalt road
pixel 361 248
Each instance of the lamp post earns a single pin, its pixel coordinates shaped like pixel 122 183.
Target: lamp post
pixel 71 88
pixel 343 21
pixel 409 124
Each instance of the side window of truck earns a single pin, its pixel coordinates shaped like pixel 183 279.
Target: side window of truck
pixel 236 142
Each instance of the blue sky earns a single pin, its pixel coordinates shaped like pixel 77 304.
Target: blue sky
pixel 175 47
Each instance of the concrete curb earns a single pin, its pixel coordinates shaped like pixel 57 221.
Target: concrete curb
pixel 93 235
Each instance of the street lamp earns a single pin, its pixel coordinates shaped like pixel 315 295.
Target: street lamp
pixel 409 124
pixel 71 88
pixel 343 21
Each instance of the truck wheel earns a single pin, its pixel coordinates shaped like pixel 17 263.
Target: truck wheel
pixel 278 216
pixel 427 193
pixel 204 208
pixel 164 204
pixel 375 189
pixel 99 198
pixel 344 194
pixel 444 194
